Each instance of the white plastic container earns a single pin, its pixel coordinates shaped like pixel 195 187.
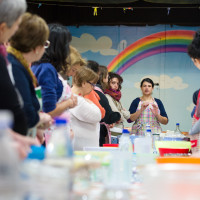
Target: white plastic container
pixel 143 145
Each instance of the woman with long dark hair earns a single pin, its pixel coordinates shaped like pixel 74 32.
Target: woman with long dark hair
pixel 194 53
pixel 56 98
pixel 110 117
pixel 113 94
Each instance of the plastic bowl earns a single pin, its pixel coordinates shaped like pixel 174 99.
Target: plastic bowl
pixel 110 145
pixel 164 151
pixel 173 144
pixel 176 139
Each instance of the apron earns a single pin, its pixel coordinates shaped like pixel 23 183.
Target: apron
pixel 194 139
pixel 146 117
pixel 197 110
pixel 66 94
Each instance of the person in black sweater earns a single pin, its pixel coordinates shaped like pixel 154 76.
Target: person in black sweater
pixel 10 17
pixel 110 116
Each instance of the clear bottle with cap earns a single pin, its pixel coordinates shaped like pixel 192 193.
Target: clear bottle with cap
pixel 125 143
pixel 60 145
pixel 148 139
pixel 177 131
pixel 122 161
pixel 59 152
pixel 9 159
pixel 148 130
pixel 155 137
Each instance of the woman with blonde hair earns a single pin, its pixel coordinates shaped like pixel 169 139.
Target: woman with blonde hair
pixel 26 46
pixel 75 62
pixel 103 77
pixel 85 117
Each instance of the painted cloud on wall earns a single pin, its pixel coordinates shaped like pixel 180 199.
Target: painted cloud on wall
pixel 166 82
pixel 190 107
pixel 87 42
pixel 122 45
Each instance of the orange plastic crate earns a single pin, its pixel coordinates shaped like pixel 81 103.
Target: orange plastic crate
pixel 180 160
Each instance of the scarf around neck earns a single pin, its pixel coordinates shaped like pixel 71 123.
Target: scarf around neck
pixel 3 52
pixel 113 93
pixel 18 55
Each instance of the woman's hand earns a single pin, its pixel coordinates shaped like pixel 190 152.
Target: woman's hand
pixel 154 110
pixel 40 135
pixel 73 101
pixel 119 121
pixel 144 105
pixel 22 144
pixel 45 121
pixel 111 125
pixel 63 106
pixel 24 140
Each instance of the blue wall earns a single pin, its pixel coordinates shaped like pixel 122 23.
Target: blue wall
pixel 181 78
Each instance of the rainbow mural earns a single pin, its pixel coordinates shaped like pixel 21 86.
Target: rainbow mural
pixel 161 42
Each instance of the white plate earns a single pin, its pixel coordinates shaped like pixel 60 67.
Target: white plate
pixel 116 130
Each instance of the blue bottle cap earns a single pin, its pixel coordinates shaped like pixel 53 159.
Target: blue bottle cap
pixel 60 121
pixel 125 131
pixel 37 152
pixel 177 124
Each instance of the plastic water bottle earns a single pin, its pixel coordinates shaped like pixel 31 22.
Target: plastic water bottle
pixel 148 133
pixel 177 131
pixel 60 145
pixel 120 169
pixel 148 130
pixel 9 160
pixel 59 149
pixel 155 137
pixel 126 158
pixel 148 138
pixel 125 143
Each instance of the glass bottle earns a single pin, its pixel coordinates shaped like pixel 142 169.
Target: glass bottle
pixel 177 131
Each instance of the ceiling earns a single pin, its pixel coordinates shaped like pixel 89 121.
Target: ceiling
pixel 118 12
pixel 118 2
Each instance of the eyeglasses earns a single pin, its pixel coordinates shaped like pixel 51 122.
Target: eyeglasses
pixel 47 44
pixel 92 84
